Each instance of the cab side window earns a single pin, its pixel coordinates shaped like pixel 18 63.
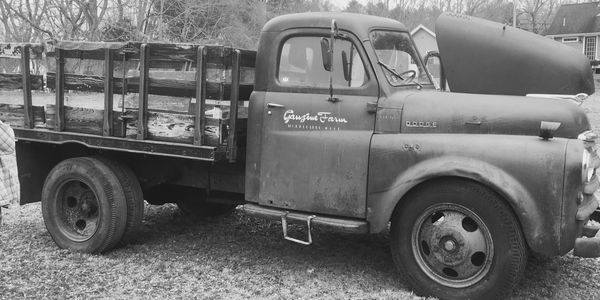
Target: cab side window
pixel 301 64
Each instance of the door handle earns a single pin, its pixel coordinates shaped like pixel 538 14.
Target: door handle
pixel 372 107
pixel 274 105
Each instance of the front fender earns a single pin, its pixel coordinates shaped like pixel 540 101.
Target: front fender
pixel 526 171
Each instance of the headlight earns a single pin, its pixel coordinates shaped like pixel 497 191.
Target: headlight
pixel 586 166
pixel 590 160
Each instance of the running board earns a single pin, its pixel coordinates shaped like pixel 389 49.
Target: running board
pixel 311 220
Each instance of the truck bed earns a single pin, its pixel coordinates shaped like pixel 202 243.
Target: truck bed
pixel 135 97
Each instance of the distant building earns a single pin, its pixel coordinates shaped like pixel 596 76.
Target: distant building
pixel 424 39
pixel 578 26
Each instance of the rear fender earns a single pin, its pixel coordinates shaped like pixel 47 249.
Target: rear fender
pixel 34 161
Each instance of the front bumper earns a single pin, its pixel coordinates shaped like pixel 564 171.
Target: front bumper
pixel 588 245
pixel 588 242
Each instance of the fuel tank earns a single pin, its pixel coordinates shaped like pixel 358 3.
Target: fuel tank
pixel 485 57
pixel 436 112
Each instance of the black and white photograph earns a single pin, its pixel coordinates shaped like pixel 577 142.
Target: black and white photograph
pixel 299 149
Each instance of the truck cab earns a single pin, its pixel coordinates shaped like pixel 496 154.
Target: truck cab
pixel 315 133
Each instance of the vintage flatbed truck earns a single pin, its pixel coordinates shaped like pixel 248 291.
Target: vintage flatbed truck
pixel 339 126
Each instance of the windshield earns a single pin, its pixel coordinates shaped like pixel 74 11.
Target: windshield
pixel 397 57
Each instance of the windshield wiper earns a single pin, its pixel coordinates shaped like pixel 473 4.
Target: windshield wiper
pixel 390 69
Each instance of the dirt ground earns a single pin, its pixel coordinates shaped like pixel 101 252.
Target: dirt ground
pixel 239 257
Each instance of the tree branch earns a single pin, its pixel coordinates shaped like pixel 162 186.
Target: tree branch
pixel 31 22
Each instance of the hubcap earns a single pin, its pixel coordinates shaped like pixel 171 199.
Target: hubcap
pixel 77 207
pixel 452 245
pixel 449 245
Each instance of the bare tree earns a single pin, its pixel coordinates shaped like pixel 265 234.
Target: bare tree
pixel 537 14
pixel 471 7
pixel 22 20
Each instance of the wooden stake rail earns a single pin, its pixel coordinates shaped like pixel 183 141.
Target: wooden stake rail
pixel 99 128
pixel 170 52
pixel 162 87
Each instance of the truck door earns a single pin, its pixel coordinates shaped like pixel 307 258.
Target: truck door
pixel 315 151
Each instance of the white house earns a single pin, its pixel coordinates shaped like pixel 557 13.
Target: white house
pixel 578 25
pixel 424 39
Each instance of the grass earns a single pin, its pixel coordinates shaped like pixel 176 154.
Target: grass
pixel 175 257
pixel 234 256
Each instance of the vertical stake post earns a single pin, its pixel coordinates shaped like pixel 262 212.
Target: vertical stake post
pixel 233 106
pixel 200 120
pixel 143 90
pixel 28 119
pixel 60 91
pixel 107 126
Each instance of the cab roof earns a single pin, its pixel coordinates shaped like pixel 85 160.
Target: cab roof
pixel 357 23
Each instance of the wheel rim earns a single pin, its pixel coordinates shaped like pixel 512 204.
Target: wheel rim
pixel 452 245
pixel 78 210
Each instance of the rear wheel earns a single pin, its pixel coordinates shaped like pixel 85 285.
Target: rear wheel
pixel 456 239
pixel 84 205
pixel 134 197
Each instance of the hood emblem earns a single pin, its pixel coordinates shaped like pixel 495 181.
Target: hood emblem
pixel 421 124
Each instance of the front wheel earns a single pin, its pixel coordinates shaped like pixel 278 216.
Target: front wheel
pixel 456 239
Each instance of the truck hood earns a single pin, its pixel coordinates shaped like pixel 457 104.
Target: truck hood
pixel 485 57
pixel 438 112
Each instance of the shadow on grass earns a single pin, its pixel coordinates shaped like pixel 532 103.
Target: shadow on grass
pixel 243 242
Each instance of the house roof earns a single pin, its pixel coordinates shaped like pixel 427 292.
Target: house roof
pixel 576 18
pixel 422 27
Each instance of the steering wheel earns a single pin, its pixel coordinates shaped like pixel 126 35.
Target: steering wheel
pixel 408 77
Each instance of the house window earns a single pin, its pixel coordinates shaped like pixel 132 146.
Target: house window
pixel 569 40
pixel 590 47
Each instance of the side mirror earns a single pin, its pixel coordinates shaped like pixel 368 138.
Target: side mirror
pixel 329 65
pixel 325 54
pixel 346 66
pixel 437 74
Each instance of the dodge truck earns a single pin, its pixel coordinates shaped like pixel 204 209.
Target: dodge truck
pixel 334 122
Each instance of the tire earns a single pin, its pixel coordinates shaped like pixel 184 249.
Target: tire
pixel 134 198
pixel 84 205
pixel 456 239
